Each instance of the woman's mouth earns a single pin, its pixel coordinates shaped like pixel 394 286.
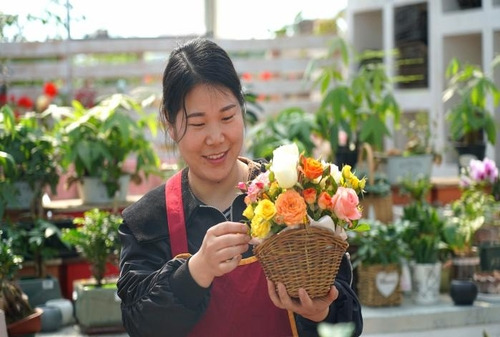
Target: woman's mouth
pixel 216 157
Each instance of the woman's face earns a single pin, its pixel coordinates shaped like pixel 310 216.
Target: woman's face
pixel 214 133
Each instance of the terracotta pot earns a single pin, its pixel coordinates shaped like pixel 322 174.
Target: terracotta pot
pixel 28 325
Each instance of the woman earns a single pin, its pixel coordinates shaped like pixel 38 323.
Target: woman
pixel 187 268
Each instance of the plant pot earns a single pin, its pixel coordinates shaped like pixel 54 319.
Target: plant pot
pixel 28 325
pixel 346 156
pixel 51 318
pixel 23 199
pixel 379 285
pixel 40 290
pixel 463 292
pixel 467 152
pixel 408 167
pixel 489 257
pixel 463 268
pixel 93 191
pixel 426 279
pixel 97 309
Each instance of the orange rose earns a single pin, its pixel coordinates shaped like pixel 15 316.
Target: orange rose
pixel 290 208
pixel 325 201
pixel 312 168
pixel 309 195
pixel 345 204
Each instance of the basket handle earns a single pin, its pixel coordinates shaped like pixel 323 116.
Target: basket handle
pixel 370 161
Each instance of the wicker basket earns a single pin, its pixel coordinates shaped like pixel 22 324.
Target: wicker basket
pixel 382 204
pixel 307 257
pixel 381 293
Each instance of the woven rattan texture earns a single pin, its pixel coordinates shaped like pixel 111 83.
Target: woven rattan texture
pixel 306 258
pixel 368 292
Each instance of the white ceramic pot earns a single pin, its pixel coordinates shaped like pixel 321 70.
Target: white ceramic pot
pixel 426 279
pixel 93 191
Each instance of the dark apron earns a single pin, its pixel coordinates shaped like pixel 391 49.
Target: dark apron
pixel 239 302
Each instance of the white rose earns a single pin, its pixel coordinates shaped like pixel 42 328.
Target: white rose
pixel 284 165
pixel 335 173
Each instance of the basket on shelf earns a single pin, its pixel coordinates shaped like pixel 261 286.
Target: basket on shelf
pixel 379 285
pixel 307 257
pixel 381 204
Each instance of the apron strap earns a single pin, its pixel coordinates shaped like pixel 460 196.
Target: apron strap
pixel 175 215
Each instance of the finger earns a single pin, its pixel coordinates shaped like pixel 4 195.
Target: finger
pixel 228 253
pixel 304 298
pixel 285 299
pixel 228 227
pixel 333 294
pixel 273 295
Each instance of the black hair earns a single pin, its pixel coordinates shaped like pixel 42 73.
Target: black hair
pixel 198 61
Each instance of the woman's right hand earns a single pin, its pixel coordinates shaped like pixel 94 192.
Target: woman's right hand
pixel 220 252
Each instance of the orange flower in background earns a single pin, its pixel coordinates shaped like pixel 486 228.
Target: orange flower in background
pixel 50 89
pixel 266 75
pixel 246 77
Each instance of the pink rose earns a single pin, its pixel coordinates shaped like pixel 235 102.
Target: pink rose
pixel 345 204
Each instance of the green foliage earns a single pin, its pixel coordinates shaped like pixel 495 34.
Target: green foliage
pixel 464 217
pixel 423 232
pixel 417 189
pixel 381 244
pixel 98 141
pixel 470 115
pixel 292 125
pixel 9 261
pixel 360 105
pixel 95 237
pixel 28 153
pixel 30 240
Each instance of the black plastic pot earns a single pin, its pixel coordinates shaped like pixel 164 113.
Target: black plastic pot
pixel 463 292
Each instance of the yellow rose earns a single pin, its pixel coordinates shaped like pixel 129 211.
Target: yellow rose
pixel 265 209
pixel 248 212
pixel 260 227
pixel 362 184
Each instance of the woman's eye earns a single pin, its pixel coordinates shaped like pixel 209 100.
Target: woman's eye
pixel 227 118
pixel 196 124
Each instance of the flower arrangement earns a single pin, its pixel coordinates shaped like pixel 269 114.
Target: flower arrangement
pixel 296 190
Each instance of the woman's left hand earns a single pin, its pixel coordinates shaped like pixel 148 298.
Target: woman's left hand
pixel 313 309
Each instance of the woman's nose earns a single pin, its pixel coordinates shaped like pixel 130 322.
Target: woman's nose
pixel 215 135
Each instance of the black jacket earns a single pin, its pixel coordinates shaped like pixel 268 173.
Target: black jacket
pixel 159 296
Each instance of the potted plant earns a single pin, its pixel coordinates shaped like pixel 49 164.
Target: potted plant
pixel 378 257
pixel 292 125
pixel 418 156
pixel 30 161
pixel 360 106
pixel 20 317
pixel 467 215
pixel 95 238
pixel 97 142
pixel 423 237
pixel 33 240
pixel 472 124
